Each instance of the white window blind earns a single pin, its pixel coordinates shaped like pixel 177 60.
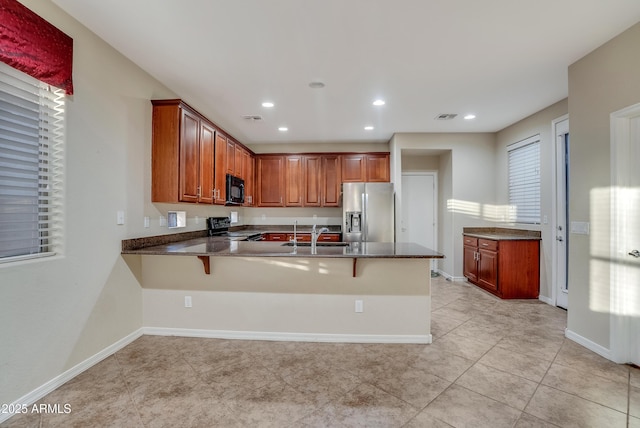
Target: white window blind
pixel 524 181
pixel 31 166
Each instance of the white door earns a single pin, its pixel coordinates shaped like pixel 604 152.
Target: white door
pixel 625 236
pixel 419 209
pixel 561 250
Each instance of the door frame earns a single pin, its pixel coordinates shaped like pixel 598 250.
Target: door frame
pixel 555 128
pixel 621 329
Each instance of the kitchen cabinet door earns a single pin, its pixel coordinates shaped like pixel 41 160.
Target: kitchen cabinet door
pixel 207 155
pixel 220 169
pixel 270 180
pixel 354 168
pixel 488 269
pixel 249 180
pixel 231 157
pixel 294 181
pixel 470 262
pixel 313 181
pixel 377 167
pixel 189 157
pixel 331 180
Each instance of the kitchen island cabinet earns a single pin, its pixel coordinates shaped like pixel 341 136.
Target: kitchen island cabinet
pixel 507 266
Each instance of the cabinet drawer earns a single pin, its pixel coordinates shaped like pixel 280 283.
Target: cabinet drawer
pixel 486 244
pixel 472 242
pixel 275 237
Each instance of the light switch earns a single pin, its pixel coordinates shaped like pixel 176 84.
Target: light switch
pixel 147 220
pixel 120 217
pixel 580 227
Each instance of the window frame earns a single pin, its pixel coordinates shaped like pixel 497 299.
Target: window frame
pixel 47 228
pixel 524 204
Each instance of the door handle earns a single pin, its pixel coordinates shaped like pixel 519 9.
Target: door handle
pixel 635 253
pixel 559 238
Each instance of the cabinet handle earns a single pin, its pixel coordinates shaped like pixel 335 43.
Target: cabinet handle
pixel 199 191
pixel 485 245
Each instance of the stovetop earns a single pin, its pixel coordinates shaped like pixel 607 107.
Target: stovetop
pixel 219 226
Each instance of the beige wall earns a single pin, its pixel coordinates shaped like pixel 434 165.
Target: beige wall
pixel 283 295
pixel 538 123
pixel 601 83
pixel 57 312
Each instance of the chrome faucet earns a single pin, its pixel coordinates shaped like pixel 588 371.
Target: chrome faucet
pixel 295 234
pixel 315 234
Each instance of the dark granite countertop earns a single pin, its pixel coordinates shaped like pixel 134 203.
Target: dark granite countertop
pixel 502 234
pixel 220 247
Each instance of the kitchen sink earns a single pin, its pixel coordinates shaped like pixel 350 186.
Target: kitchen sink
pixel 319 244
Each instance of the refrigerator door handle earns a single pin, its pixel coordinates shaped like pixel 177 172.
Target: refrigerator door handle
pixel 365 223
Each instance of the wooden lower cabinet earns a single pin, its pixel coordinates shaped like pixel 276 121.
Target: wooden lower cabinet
pixel 508 268
pixel 301 237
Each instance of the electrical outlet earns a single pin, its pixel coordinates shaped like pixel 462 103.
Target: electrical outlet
pixel 187 302
pixel 197 220
pixel 147 221
pixel 163 221
pixel 120 217
pixel 359 306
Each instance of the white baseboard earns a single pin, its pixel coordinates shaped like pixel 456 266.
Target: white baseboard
pixel 450 277
pixel 288 337
pixel 592 346
pixel 38 393
pixel 547 300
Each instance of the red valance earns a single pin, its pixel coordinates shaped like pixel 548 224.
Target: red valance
pixel 34 46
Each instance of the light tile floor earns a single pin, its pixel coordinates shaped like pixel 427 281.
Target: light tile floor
pixel 493 363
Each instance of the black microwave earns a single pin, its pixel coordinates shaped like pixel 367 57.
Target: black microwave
pixel 235 190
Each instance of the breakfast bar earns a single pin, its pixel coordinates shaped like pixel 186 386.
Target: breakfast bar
pixel 368 292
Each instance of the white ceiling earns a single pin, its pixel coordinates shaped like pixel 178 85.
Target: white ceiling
pixel 499 59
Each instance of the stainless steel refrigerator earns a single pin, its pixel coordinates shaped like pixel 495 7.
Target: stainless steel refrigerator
pixel 368 212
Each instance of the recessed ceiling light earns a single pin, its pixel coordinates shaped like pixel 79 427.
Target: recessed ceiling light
pixel 316 85
pixel 267 104
pixel 378 103
pixel 470 116
pixel 368 128
pixel 283 129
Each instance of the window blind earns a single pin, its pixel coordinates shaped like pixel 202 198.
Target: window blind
pixel 31 166
pixel 524 181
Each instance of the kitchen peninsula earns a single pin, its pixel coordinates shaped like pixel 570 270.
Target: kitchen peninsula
pixel 344 292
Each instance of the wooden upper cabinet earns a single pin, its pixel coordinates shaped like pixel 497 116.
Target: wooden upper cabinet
pixel 270 180
pixel 231 156
pixel 181 154
pixel 207 165
pixel 313 180
pixel 354 168
pixel 366 167
pixel 238 168
pixel 249 179
pixel 220 192
pixel 377 167
pixel 294 181
pixel 189 157
pixel 331 178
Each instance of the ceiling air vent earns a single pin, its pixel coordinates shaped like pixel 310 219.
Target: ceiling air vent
pixel 252 117
pixel 446 116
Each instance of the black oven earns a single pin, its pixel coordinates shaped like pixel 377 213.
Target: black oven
pixel 235 190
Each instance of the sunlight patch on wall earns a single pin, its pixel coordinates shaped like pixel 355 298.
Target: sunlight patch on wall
pixel 488 212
